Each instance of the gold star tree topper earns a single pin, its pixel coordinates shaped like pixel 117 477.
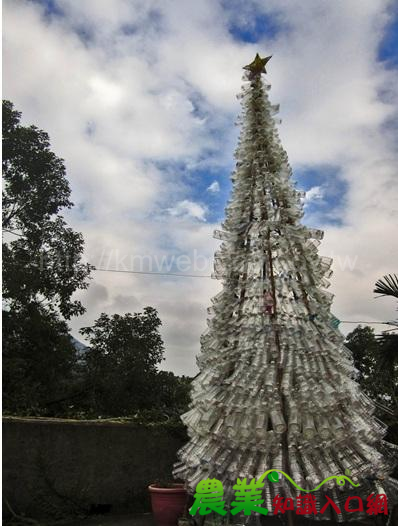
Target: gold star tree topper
pixel 258 65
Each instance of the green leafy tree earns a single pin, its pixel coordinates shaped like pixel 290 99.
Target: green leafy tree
pixel 42 268
pixel 38 363
pixel 173 393
pixel 122 362
pixel 42 256
pixel 363 344
pixel 120 372
pixel 369 359
pixel 376 358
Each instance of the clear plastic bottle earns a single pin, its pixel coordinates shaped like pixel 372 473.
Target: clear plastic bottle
pixel 278 422
pixel 293 419
pixel 308 426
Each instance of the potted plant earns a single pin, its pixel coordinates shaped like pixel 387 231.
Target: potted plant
pixel 169 502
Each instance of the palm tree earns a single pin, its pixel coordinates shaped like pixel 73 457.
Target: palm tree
pixel 387 286
pixel 388 341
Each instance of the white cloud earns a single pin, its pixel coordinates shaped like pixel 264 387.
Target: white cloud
pixel 123 87
pixel 214 187
pixel 188 209
pixel 313 194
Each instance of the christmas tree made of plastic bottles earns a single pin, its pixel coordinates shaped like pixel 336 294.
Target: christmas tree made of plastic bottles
pixel 276 388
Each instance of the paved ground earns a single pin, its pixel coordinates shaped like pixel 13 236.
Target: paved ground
pixel 146 519
pixel 139 519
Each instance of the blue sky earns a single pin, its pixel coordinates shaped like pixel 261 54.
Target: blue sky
pixel 254 30
pixel 388 48
pixel 326 208
pixel 139 98
pixel 261 26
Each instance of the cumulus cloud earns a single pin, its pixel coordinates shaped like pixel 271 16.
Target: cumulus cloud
pixel 313 194
pixel 214 187
pixel 188 209
pixel 134 101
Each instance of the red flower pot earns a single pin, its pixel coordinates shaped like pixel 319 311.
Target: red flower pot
pixel 168 504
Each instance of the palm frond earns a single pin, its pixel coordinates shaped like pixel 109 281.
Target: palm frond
pixel 387 286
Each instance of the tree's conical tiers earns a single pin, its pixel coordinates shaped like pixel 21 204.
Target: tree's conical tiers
pixel 277 387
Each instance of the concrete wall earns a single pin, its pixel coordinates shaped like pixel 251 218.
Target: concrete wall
pixel 55 468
